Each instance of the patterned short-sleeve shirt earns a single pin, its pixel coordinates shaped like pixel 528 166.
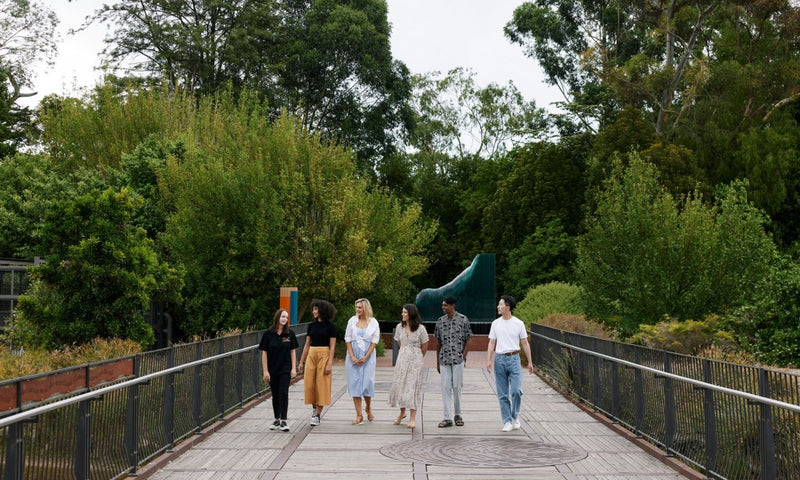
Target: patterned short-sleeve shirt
pixel 452 335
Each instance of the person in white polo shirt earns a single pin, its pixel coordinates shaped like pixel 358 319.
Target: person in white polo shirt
pixel 504 343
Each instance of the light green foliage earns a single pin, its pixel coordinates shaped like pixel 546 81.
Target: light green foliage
pixel 645 255
pixel 260 205
pixel 100 275
pixel 554 297
pixel 689 337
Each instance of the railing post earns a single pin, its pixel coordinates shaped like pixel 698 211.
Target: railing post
pixel 83 440
pixel 669 407
pixel 15 452
pixel 639 392
pixel 711 421
pixel 596 394
pixel 132 420
pixel 615 399
pixel 197 384
pixel 766 438
pixel 239 372
pixel 219 384
pixel 168 420
pixel 257 375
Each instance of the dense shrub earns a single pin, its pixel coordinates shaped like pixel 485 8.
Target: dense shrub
pixel 553 297
pixel 14 364
pixel 688 336
pixel 575 324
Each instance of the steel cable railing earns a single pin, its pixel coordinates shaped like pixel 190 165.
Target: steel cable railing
pixel 731 421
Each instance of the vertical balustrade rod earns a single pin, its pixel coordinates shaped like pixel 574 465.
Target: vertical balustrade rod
pixel 711 421
pixel 132 420
pixel 766 437
pixel 669 407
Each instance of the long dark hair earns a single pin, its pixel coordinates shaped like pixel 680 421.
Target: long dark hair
pixel 413 316
pixel 325 308
pixel 276 321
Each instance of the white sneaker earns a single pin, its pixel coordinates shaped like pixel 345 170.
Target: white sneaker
pixel 515 424
pixel 275 425
pixel 314 420
pixel 507 427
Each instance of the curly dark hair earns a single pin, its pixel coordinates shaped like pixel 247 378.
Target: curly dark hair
pixel 325 308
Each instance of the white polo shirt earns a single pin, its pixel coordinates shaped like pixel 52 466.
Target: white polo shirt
pixel 508 334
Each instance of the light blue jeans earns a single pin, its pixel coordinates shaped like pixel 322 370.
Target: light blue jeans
pixel 508 377
pixel 452 381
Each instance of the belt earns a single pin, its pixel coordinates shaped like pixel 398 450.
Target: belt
pixel 508 354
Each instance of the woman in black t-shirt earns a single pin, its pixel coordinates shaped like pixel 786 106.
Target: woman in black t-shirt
pixel 318 351
pixel 279 364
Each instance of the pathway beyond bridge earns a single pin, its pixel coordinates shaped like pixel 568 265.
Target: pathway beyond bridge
pixel 558 440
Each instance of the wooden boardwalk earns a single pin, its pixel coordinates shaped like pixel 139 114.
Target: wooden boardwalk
pixel 558 440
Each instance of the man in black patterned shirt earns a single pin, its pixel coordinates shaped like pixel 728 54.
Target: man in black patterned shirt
pixel 452 334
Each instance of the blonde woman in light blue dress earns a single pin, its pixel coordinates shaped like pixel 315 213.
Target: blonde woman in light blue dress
pixel 361 337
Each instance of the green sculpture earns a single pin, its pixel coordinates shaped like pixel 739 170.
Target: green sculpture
pixel 474 289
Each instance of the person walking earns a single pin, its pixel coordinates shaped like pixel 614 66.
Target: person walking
pixel 406 391
pixel 279 364
pixel 316 362
pixel 452 334
pixel 505 335
pixel 361 336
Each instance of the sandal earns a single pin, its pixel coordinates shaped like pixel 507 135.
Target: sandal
pixel 370 416
pixel 410 425
pixel 459 421
pixel 399 419
pixel 359 420
pixel 445 423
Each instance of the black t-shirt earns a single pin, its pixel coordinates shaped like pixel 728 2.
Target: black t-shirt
pixel 278 348
pixel 321 333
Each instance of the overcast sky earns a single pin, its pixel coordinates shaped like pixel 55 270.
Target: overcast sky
pixel 427 35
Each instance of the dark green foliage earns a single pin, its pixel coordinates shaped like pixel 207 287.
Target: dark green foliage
pixel 100 274
pixel 769 327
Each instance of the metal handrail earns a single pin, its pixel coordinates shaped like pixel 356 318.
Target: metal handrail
pixel 33 412
pixel 662 373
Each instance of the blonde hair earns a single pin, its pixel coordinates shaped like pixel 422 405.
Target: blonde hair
pixel 366 306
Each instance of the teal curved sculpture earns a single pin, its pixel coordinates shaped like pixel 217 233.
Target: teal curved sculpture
pixel 474 288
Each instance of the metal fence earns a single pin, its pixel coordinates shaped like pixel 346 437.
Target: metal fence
pixel 730 421
pixel 108 432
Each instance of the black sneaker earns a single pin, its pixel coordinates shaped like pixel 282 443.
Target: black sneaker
pixel 284 427
pixel 275 425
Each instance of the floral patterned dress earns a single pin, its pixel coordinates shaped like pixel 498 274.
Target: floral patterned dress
pixel 407 381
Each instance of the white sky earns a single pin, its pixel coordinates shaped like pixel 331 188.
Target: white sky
pixel 427 35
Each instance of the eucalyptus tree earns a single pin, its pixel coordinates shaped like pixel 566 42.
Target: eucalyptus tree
pixel 27 37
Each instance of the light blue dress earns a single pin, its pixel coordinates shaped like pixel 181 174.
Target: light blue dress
pixel 361 378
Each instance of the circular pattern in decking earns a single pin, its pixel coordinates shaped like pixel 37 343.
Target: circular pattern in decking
pixel 483 452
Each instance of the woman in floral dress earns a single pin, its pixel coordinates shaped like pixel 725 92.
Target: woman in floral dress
pixel 406 391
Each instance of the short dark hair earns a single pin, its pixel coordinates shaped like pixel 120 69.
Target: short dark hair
pixel 413 316
pixel 509 301
pixel 450 300
pixel 325 308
